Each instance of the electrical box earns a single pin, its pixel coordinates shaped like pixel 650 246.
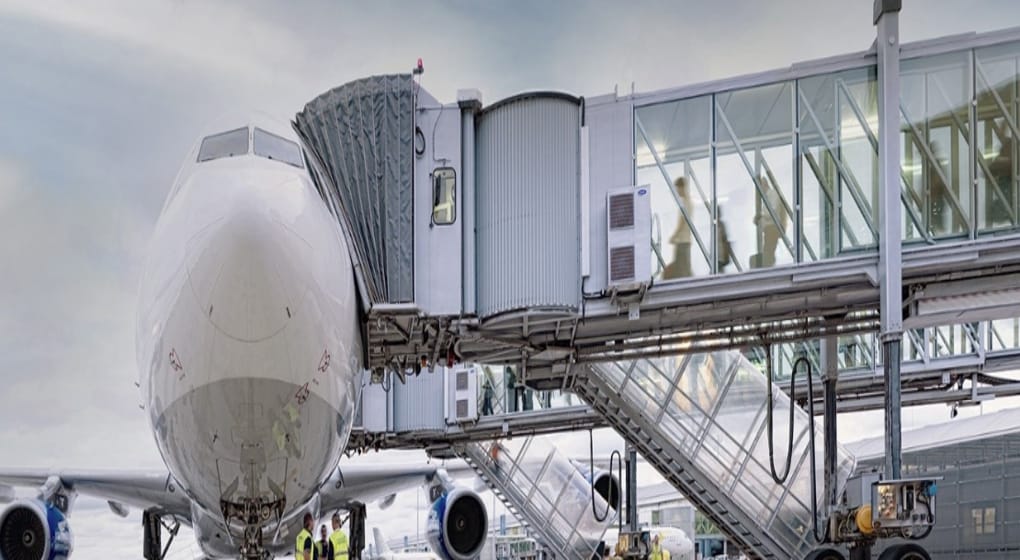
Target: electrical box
pixel 462 395
pixel 376 406
pixel 907 505
pixel 629 230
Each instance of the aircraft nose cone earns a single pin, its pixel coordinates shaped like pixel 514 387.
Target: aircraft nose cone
pixel 243 270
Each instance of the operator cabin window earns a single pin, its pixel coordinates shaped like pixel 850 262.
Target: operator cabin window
pixel 271 146
pixel 444 196
pixel 225 144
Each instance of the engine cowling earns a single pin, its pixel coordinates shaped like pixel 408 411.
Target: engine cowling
pixel 34 530
pixel 605 483
pixel 458 524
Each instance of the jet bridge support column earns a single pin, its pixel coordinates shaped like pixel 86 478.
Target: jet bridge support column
pixel 830 372
pixel 632 508
pixel 890 257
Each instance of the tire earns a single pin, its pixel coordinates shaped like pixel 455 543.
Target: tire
pixel 825 554
pixel 908 551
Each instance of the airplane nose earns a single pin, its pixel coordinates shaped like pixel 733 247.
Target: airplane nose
pixel 243 271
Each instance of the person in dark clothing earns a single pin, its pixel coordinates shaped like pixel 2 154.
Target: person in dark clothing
pixel 324 547
pixel 486 398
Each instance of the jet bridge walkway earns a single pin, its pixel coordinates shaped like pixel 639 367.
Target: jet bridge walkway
pixel 492 240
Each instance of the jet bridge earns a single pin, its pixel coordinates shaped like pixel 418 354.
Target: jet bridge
pixel 876 191
pixel 547 230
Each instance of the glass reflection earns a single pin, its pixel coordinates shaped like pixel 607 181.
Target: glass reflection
pixel 996 71
pixel 673 147
pixel 754 185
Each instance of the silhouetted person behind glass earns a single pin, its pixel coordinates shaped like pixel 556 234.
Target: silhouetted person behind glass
pixel 771 229
pixel 1001 212
pixel 724 255
pixel 680 267
pixel 486 397
pixel 510 389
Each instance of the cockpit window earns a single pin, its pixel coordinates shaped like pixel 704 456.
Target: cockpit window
pixel 224 144
pixel 269 145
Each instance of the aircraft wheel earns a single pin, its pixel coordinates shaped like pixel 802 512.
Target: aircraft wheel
pixel 825 554
pixel 908 551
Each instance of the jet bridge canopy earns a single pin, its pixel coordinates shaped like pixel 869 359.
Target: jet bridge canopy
pixel 361 135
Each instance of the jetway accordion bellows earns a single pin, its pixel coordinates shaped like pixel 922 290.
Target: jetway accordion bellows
pixel 528 235
pixel 362 135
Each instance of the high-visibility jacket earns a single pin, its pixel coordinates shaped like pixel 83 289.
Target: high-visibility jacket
pixel 339 540
pixel 656 553
pixel 303 542
pixel 318 550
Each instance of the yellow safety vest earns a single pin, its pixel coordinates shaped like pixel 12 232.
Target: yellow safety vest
pixel 299 547
pixel 656 553
pixel 339 540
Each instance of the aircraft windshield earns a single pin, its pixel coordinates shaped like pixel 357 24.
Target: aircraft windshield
pixel 269 145
pixel 224 144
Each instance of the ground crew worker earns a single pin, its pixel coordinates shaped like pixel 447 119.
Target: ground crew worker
pixel 323 546
pixel 338 539
pixel 303 547
pixel 658 553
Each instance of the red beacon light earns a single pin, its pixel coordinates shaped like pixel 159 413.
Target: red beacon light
pixel 419 69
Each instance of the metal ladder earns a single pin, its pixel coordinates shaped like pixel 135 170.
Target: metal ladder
pixel 522 484
pixel 699 420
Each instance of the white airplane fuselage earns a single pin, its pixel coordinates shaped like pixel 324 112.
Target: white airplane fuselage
pixel 248 337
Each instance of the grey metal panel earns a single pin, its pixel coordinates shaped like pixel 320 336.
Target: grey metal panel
pixel 527 192
pixel 362 133
pixel 419 403
pixel 611 167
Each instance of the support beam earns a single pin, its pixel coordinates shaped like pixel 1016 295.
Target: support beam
pixel 632 509
pixel 830 373
pixel 890 256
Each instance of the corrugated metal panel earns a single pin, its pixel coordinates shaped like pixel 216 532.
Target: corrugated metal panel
pixel 419 403
pixel 361 132
pixel 527 185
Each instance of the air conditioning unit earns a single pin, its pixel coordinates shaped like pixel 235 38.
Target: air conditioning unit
pixel 462 395
pixel 629 227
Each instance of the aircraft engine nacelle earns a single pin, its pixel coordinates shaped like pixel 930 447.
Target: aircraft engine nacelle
pixel 458 523
pixel 605 483
pixel 34 530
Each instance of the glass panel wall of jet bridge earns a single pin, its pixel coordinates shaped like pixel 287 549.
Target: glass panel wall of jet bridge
pixel 762 176
pixel 787 172
pixel 997 106
pixel 674 158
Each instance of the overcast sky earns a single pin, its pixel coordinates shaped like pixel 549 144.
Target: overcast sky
pixel 99 103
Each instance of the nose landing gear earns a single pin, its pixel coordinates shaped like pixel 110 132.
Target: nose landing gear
pixel 253 513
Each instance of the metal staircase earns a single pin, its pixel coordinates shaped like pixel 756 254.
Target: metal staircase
pixel 543 490
pixel 700 421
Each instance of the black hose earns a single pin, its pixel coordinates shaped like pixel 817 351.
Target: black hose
pixel 789 448
pixel 768 419
pixel 811 445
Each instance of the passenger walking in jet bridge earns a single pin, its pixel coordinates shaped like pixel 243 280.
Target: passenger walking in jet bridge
pixel 338 540
pixel 1001 212
pixel 770 229
pixel 680 267
pixel 486 397
pixel 510 389
pixel 304 547
pixel 527 398
pixel 323 547
pixel 724 255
